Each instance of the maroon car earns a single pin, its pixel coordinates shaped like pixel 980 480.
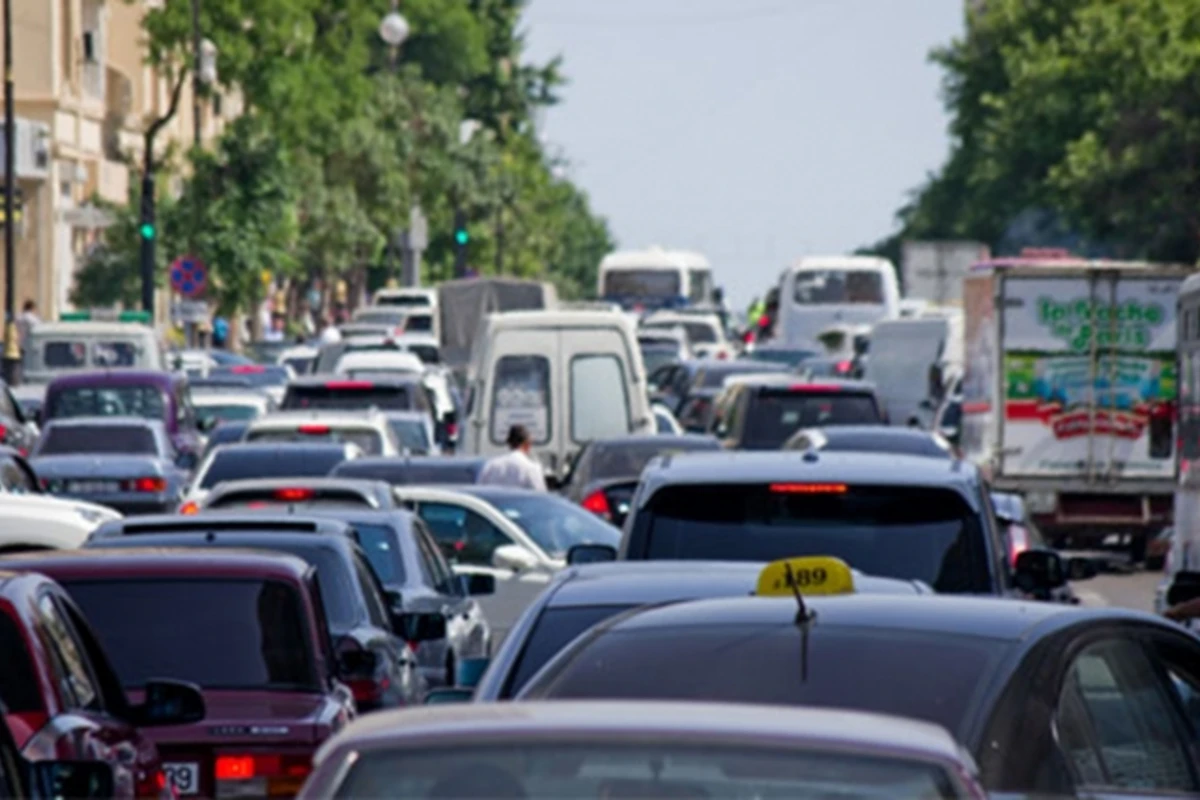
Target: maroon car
pixel 62 700
pixel 246 626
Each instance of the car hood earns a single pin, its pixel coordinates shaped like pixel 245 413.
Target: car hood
pixel 252 717
pixel 98 466
pixel 40 505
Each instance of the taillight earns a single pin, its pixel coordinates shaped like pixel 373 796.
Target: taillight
pixel 248 369
pixel 3 432
pixel 293 495
pixel 1018 541
pixel 148 485
pixel 349 385
pixel 313 429
pixel 808 488
pixel 815 387
pixel 190 507
pixel 451 429
pixel 152 785
pixel 843 367
pixel 597 503
pixel 260 775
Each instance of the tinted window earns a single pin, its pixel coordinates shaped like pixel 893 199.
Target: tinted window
pixel 226 412
pixel 550 769
pixel 255 375
pixel 927 676
pixel 57 441
pixel 349 398
pixel 952 416
pixel 268 498
pixel 65 355
pixel 428 353
pixel 235 464
pixel 818 287
pixel 67 655
pixel 628 460
pixel 419 323
pixel 599 403
pixel 219 634
pixel 554 630
pixel 911 533
pixel 300 364
pixel 369 440
pixel 521 396
pixel 553 523
pixel 19 687
pixel 378 545
pixel 643 283
pixel 118 401
pixel 776 415
pixel 463 536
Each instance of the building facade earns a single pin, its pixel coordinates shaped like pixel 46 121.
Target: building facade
pixel 83 97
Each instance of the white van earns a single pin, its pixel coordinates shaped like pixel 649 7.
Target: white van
pixel 568 376
pixel 655 278
pixel 903 352
pixel 57 347
pixel 819 292
pixel 422 303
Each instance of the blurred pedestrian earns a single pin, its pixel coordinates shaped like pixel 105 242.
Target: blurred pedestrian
pixel 25 322
pixel 329 334
pixel 516 467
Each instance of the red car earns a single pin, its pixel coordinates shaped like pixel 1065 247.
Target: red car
pixel 245 626
pixel 62 700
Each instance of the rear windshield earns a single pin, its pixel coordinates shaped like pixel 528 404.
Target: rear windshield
pixel 228 412
pixel 628 460
pixel 240 634
pixel 554 630
pixel 714 377
pixel 19 688
pixel 114 401
pixel 911 533
pixel 272 498
pixel 236 463
pixel 369 440
pixel 650 283
pixel 341 397
pixel 774 415
pixel 379 317
pixel 419 323
pixel 124 439
pixel 411 434
pixel 603 766
pixel 255 375
pixel 404 300
pixel 922 675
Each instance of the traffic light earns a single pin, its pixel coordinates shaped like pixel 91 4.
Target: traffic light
pixel 461 238
pixel 147 230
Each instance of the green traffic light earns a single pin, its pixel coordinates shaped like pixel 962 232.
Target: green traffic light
pixel 147 230
pixel 461 236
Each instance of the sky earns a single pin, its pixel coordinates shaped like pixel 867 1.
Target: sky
pixel 754 131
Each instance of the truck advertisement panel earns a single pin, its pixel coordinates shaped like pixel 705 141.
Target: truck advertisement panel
pixel 980 354
pixel 1089 376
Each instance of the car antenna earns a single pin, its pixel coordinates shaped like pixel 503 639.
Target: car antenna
pixel 804 616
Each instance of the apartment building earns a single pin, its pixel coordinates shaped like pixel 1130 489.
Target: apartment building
pixel 83 96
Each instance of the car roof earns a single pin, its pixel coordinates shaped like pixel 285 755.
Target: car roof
pixel 383 380
pixel 221 540
pixel 366 418
pixel 757 467
pixel 791 380
pixel 449 724
pixel 206 397
pixel 218 520
pixel 105 422
pixel 321 446
pixel 667 440
pixel 159 561
pixel 363 485
pixel 650 582
pixel 116 377
pixel 1007 620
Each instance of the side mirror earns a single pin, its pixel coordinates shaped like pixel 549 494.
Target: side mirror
pixel 475 584
pixel 394 598
pixel 415 627
pixel 169 702
pixel 70 779
pixel 591 554
pixel 513 557
pixel 1039 571
pixel 469 671
pixel 437 697
pixel 355 662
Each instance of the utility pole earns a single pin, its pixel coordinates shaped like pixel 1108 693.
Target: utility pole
pixel 197 69
pixel 12 351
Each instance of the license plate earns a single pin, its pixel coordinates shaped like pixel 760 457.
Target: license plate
pixel 93 487
pixel 184 776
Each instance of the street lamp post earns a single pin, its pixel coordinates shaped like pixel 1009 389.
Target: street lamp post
pixel 393 29
pixel 12 351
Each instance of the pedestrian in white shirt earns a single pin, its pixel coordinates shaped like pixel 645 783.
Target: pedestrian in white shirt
pixel 515 468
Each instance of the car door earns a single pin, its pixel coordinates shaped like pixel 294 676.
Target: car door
pixel 390 648
pixel 1120 723
pixel 461 613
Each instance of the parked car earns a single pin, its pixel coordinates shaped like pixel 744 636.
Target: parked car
pixel 152 395
pixel 62 698
pixel 126 463
pixel 247 461
pixel 370 431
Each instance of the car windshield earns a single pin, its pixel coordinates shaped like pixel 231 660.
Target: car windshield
pixel 917 674
pixel 348 396
pixel 656 356
pixel 652 283
pixel 554 630
pixel 99 439
pixel 627 460
pixel 789 358
pixel 556 765
pixel 241 634
pixel 776 414
pixel 148 402
pixel 255 375
pixel 227 412
pixel 411 433
pixel 239 463
pixel 368 439
pixel 839 287
pixel 906 532
pixel 554 524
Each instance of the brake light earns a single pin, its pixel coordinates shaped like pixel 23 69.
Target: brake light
pixel 150 484
pixel 152 785
pixel 313 429
pixel 843 367
pixel 261 774
pixel 3 432
pixel 597 503
pixel 293 495
pixel 349 385
pixel 815 387
pixel 808 488
pixel 190 507
pixel 1020 541
pixel 248 369
pixel 451 429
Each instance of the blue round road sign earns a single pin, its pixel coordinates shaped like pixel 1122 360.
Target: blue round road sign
pixel 188 276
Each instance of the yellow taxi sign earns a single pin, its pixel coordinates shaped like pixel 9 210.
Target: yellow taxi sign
pixel 812 575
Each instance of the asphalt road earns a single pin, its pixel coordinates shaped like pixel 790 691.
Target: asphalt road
pixel 1134 590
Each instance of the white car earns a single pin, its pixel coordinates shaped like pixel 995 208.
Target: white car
pixel 300 358
pixel 519 537
pixel 193 363
pixel 705 333
pixel 230 406
pixel 358 363
pixel 424 346
pixel 665 421
pixel 369 430
pixel 40 522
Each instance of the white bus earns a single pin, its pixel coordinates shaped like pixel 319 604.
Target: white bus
pixel 647 280
pixel 819 292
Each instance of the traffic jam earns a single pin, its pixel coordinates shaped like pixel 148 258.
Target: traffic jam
pixel 480 541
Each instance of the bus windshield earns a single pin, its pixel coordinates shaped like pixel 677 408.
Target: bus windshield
pixel 839 287
pixel 643 283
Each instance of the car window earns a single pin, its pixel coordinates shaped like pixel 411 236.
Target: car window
pixel 1116 723
pixel 777 414
pixel 378 545
pixel 240 634
pixel 7 407
pixel 438 572
pixel 554 524
pixel 351 396
pixel 371 441
pixel 372 593
pixel 236 463
pixel 77 685
pixel 148 402
pixel 15 480
pixel 554 630
pixel 463 536
pixel 19 690
pixel 98 439
pixel 521 396
pixel 599 398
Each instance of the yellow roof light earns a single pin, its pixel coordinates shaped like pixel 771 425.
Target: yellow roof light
pixel 808 575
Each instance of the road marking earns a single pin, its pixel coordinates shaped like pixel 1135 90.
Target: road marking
pixel 1091 599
